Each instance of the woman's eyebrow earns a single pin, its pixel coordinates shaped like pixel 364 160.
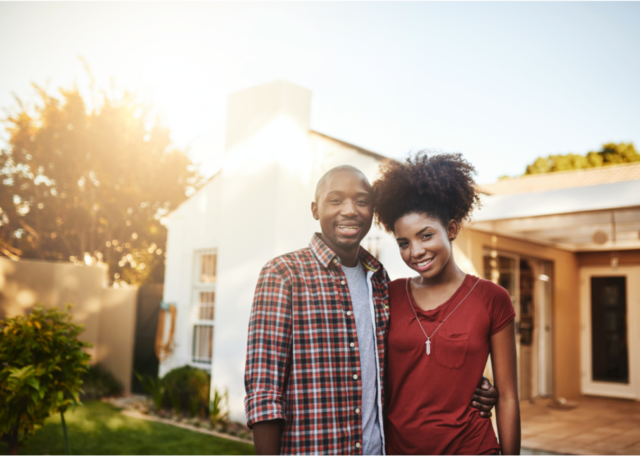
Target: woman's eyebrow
pixel 422 230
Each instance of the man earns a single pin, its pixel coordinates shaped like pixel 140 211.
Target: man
pixel 316 349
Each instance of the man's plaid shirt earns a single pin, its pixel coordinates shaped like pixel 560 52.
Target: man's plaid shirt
pixel 302 351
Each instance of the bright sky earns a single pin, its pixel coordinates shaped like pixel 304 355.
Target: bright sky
pixel 501 82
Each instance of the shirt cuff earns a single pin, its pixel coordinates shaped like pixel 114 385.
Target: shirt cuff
pixel 263 406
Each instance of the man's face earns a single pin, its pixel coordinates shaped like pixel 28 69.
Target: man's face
pixel 344 207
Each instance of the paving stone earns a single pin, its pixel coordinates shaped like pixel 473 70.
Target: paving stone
pixel 596 425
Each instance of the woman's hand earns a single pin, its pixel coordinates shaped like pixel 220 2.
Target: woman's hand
pixel 485 397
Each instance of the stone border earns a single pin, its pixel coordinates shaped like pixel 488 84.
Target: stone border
pixel 142 416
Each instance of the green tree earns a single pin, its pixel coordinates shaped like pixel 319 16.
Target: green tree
pixel 41 366
pixel 610 154
pixel 91 184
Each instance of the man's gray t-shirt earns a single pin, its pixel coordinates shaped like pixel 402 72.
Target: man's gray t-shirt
pixel 359 291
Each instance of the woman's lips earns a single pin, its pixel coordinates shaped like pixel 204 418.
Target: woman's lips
pixel 424 265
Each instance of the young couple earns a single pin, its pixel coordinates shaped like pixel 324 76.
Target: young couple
pixel 342 361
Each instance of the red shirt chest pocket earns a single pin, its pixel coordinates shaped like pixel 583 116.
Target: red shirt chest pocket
pixel 450 349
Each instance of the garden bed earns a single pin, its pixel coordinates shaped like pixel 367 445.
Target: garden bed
pixel 140 406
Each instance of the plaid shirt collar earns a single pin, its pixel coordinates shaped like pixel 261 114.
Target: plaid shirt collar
pixel 325 255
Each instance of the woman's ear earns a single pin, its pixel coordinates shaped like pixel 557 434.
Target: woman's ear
pixel 453 228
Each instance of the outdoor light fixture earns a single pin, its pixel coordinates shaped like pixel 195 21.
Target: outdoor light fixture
pixel 600 237
pixel 614 260
pixel 543 277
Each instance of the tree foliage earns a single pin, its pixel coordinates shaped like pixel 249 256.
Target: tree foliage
pixel 90 184
pixel 41 366
pixel 610 154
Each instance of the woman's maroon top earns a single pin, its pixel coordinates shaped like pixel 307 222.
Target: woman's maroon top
pixel 429 396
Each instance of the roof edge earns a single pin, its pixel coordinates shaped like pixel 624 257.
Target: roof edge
pixel 363 151
pixel 164 217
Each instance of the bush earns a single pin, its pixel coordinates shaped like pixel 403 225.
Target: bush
pixel 42 362
pixel 187 390
pixel 99 382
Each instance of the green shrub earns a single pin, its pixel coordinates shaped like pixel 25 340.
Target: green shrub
pixel 42 362
pixel 99 382
pixel 187 390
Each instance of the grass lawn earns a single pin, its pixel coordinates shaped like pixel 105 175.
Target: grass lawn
pixel 99 428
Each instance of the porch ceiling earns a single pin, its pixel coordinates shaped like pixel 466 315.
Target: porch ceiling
pixel 567 218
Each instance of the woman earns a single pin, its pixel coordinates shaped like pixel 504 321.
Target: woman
pixel 444 323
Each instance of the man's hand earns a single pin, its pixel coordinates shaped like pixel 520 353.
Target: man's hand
pixel 485 397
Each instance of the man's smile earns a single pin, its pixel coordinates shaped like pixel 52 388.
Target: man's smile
pixel 349 229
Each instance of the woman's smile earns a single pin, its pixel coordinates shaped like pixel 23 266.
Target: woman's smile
pixel 424 264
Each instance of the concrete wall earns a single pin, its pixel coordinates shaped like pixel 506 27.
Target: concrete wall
pixel 116 333
pixel 566 300
pixel 108 315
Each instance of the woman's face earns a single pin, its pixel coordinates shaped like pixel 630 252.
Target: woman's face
pixel 424 243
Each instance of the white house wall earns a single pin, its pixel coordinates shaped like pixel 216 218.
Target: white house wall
pixel 190 228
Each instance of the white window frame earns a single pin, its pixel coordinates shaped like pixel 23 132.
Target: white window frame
pixel 199 287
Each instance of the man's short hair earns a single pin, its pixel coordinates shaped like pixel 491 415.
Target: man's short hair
pixel 332 171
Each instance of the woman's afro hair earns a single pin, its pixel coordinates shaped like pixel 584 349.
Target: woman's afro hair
pixel 439 185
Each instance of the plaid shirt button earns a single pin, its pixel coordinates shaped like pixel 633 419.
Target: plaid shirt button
pixel 348 313
pixel 352 345
pixel 342 282
pixel 358 411
pixel 358 445
pixel 355 377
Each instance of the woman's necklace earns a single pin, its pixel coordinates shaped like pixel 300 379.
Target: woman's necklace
pixel 428 342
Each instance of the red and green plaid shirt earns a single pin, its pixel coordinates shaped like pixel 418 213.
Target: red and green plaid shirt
pixel 302 352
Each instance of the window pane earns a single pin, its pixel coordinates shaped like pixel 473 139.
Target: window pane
pixel 207 305
pixel 502 271
pixel 208 268
pixel 610 354
pixel 202 344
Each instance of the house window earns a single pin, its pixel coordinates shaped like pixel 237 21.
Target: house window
pixel 202 344
pixel 207 305
pixel 204 300
pixel 372 245
pixel 208 266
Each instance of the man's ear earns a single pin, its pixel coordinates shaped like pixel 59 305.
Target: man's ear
pixel 453 229
pixel 314 210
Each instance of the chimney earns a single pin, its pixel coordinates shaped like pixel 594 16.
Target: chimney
pixel 251 109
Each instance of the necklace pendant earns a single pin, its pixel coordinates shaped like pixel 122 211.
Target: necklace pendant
pixel 428 342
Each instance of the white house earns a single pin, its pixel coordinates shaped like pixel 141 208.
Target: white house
pixel 257 207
